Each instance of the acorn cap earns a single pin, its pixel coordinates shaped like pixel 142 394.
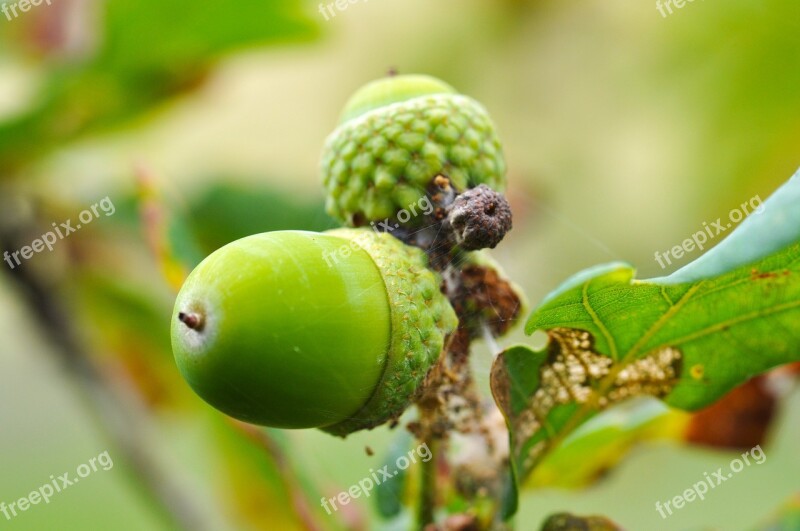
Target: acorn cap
pixel 397 135
pixel 421 318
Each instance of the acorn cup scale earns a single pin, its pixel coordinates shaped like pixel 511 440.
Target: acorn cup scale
pixel 297 329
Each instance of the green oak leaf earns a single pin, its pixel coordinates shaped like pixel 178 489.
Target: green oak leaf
pixel 687 339
pixel 146 53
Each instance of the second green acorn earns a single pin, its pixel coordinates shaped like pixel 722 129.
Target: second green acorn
pixel 395 136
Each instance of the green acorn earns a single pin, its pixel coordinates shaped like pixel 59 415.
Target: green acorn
pixel 395 136
pixel 294 329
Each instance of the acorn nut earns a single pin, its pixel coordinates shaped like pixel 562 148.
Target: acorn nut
pixel 395 136
pixel 294 329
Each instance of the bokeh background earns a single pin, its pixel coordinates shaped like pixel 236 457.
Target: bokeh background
pixel 624 131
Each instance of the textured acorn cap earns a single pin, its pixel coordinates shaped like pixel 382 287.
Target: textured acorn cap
pixel 421 320
pixel 397 135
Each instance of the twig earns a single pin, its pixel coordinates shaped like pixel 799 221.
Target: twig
pixel 120 421
pixel 427 496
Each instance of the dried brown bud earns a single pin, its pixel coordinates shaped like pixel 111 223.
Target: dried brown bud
pixel 480 218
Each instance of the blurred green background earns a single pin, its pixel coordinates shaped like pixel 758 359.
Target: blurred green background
pixel 624 131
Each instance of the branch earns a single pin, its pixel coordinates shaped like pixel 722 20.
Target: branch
pixel 117 417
